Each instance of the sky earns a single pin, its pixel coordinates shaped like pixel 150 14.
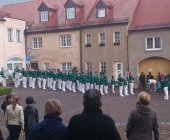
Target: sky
pixel 4 2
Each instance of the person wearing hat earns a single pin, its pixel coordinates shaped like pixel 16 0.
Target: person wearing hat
pixel 31 116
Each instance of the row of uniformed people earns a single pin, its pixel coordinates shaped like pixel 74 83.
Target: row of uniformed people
pixel 84 81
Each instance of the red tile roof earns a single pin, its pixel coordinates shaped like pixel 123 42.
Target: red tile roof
pixel 28 11
pixel 151 14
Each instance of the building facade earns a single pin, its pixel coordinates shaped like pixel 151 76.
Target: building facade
pixel 149 39
pixel 12 43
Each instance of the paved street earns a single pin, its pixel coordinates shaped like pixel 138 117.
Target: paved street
pixel 115 106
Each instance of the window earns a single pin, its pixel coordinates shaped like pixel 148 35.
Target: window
pixel 89 66
pixel 46 66
pixel 88 40
pixel 70 13
pixel 103 67
pixel 65 40
pixel 18 36
pixel 102 39
pixel 44 16
pixel 66 67
pixel 10 35
pixel 153 43
pixel 37 43
pixel 117 38
pixel 101 12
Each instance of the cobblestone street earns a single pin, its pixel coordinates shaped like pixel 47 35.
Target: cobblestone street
pixel 115 106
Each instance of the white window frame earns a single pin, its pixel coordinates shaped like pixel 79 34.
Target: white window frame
pixel 102 39
pixel 46 66
pixel 88 39
pixel 37 42
pixel 101 67
pixel 71 13
pixel 10 35
pixel 89 66
pixel 116 37
pixel 153 45
pixel 43 16
pixel 68 67
pixel 101 12
pixel 65 40
pixel 18 36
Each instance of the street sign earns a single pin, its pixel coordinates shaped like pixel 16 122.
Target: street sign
pixel 27 57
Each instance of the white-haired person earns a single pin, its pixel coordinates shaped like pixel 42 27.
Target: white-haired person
pixel 142 121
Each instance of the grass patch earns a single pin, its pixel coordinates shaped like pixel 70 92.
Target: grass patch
pixel 5 90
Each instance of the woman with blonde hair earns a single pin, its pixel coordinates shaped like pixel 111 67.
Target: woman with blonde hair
pixel 52 127
pixel 14 118
pixel 142 121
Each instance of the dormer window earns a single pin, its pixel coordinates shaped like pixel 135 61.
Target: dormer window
pixel 71 13
pixel 43 16
pixel 101 12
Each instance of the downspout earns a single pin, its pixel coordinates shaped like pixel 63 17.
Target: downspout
pixel 128 52
pixel 80 36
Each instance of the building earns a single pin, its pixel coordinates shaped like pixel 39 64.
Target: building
pixel 149 38
pixel 86 34
pixel 12 42
pixel 104 37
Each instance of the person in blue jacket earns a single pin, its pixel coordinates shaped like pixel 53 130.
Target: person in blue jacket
pixel 52 127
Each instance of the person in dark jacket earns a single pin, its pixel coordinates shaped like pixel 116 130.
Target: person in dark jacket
pixel 6 102
pixel 92 124
pixel 52 127
pixel 142 121
pixel 30 116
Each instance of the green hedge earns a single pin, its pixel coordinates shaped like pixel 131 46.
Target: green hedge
pixel 5 90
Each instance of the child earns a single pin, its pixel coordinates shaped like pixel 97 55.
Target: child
pixel 30 116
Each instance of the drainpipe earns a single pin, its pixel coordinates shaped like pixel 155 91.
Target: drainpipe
pixel 128 52
pixel 80 36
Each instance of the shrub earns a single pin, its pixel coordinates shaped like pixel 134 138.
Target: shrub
pixel 5 90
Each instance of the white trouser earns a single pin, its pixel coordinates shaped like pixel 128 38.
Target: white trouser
pixel 113 88
pixel 82 87
pixel 44 83
pixel 39 82
pixel 78 85
pixel 30 81
pixel 4 81
pixel 97 87
pixel 51 83
pixel 33 82
pixel 48 82
pixel 87 86
pixel 16 82
pixel 131 88
pixel 91 86
pixel 101 89
pixel 74 86
pixel 59 84
pixel 63 85
pixel 126 90
pixel 166 93
pixel 24 82
pixel 70 85
pixel 54 84
pixel 121 90
pixel 105 89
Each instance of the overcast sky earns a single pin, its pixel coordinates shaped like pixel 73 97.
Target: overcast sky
pixel 4 2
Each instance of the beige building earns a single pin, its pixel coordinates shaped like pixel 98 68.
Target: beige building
pixel 12 43
pixel 49 52
pixel 111 56
pixel 149 39
pixel 87 34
